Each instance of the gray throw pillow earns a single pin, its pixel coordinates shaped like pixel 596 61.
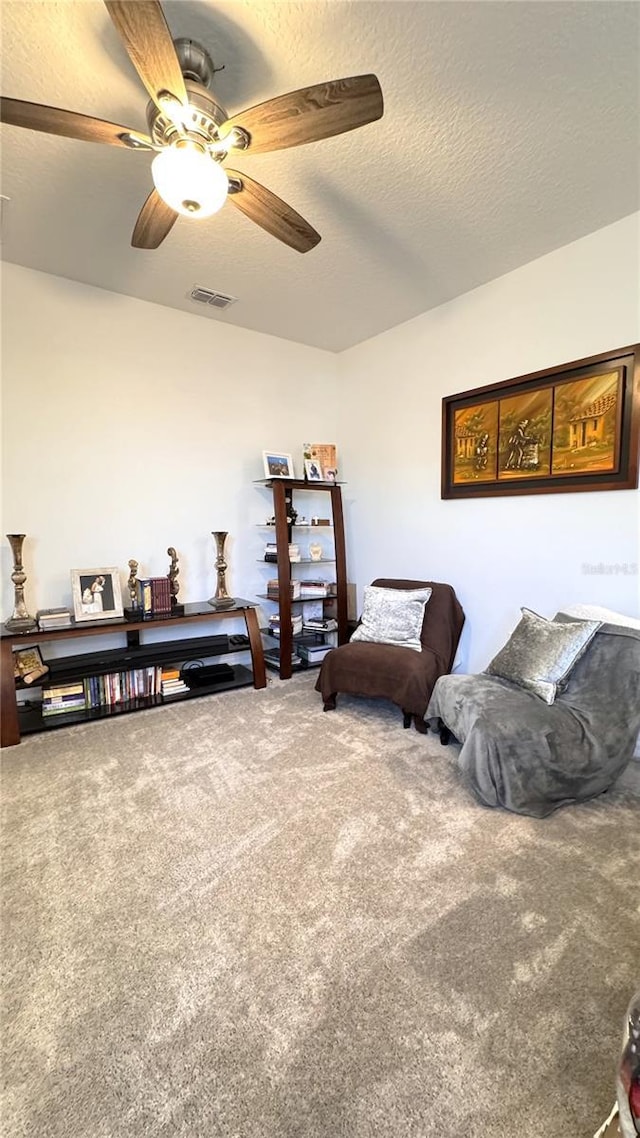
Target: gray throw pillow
pixel 392 616
pixel 540 654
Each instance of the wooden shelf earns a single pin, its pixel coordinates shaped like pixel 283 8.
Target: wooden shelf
pixel 283 490
pixel 133 654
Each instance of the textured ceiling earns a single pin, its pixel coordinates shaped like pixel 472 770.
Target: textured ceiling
pixel 510 129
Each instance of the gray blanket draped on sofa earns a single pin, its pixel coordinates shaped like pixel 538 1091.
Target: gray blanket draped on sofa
pixel 521 753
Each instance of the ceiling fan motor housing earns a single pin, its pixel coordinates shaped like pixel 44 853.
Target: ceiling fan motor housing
pixel 195 62
pixel 202 126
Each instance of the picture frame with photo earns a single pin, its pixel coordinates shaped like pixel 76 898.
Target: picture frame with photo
pixel 97 594
pixel 277 464
pixel 326 455
pixel 28 664
pixel 313 470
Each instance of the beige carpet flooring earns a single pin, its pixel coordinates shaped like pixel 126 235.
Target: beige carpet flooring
pixel 239 917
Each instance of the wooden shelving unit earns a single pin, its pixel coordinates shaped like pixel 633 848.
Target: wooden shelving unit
pixel 284 491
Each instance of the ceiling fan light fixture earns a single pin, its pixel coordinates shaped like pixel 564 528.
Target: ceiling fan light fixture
pixel 189 180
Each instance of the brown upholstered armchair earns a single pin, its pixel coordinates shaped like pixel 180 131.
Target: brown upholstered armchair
pixel 399 674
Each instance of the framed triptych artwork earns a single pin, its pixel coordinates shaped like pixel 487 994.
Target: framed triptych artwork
pixel 570 428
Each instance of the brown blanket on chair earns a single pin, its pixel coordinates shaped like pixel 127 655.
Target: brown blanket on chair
pixel 399 674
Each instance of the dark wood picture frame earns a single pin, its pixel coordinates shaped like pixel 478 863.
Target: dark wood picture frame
pixel 561 430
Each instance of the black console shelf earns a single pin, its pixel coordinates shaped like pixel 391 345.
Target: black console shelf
pixel 121 659
pixel 133 654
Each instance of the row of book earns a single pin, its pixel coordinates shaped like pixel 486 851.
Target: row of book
pixel 301 590
pixel 110 689
pixel 273 589
pixel 154 595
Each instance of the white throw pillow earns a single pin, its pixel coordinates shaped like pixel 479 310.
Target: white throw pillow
pixel 607 616
pixel 393 616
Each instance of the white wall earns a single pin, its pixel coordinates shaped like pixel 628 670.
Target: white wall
pixel 498 553
pixel 129 427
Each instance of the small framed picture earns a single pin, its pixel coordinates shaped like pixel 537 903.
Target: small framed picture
pixel 313 470
pixel 96 594
pixel 277 464
pixel 330 475
pixel 28 664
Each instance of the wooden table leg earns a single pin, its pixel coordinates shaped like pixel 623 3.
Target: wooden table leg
pixel 9 722
pixel 257 652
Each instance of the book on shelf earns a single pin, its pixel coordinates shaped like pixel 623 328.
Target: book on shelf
pixel 161 594
pixel 51 690
pixel 274 624
pixel 273 589
pixel 63 709
pixel 318 624
pixel 310 589
pixel 174 687
pixel 49 619
pixel 61 698
pixel 155 596
pixel 272 658
pixel 313 654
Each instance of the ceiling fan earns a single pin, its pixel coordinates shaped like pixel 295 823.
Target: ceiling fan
pixel 193 136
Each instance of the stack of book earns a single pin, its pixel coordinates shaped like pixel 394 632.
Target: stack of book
pixel 320 624
pixel 271 551
pixel 313 653
pixel 63 699
pixel 296 624
pixel 272 658
pixel 273 589
pixel 172 683
pixel 311 589
pixel 49 619
pixel 155 596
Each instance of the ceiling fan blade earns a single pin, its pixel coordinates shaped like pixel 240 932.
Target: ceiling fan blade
pixel 145 33
pixel 53 120
pixel 271 213
pixel 309 114
pixel 154 222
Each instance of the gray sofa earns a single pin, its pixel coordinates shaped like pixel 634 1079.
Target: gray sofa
pixel 530 757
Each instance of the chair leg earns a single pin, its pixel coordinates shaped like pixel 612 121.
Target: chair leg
pixel 330 702
pixel 445 733
pixel 420 725
pixel 406 718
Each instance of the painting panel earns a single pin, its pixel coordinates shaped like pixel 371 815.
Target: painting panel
pixel 586 417
pixel 475 443
pixel 524 439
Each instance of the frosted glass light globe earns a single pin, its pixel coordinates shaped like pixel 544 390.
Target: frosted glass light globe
pixel 189 180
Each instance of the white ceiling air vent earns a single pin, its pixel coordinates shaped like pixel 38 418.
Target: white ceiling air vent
pixel 214 299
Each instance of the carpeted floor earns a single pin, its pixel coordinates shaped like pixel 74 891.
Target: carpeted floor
pixel 239 917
